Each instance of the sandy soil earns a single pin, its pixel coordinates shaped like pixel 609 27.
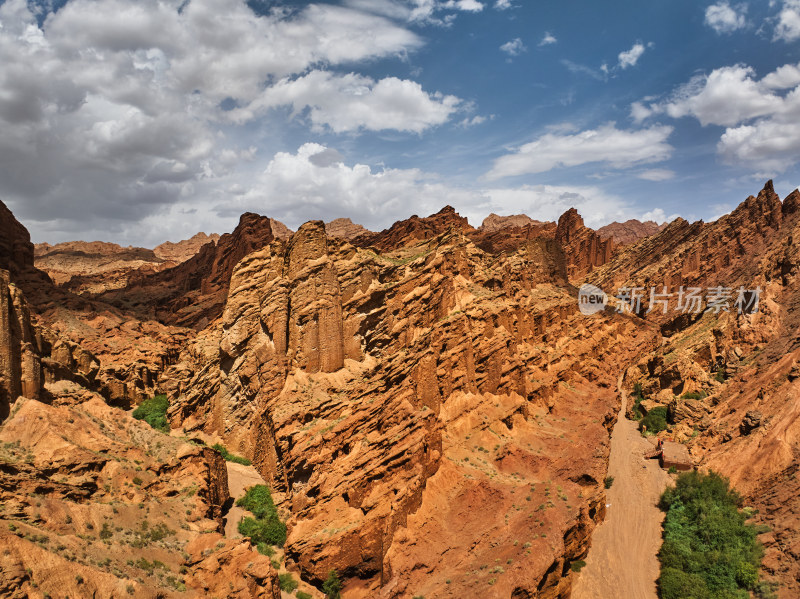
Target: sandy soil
pixel 622 561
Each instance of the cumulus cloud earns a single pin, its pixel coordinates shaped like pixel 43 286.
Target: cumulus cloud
pixel 629 58
pixel 724 18
pixel 761 116
pixel 346 103
pixel 548 39
pixel 502 4
pixel 299 185
pixel 788 26
pixel 514 47
pixel 112 110
pixel 607 145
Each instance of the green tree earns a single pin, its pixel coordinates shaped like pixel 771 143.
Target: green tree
pixel 332 586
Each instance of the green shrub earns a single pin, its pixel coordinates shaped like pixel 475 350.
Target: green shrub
pixel 265 549
pixel 332 587
pixel 608 481
pixel 266 527
pixel 302 595
pixel 229 457
pixel 269 531
pixel 655 421
pixel 154 412
pixel 708 551
pixel 577 566
pixel 694 395
pixel 287 582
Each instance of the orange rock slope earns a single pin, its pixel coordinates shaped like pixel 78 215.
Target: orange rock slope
pixel 428 403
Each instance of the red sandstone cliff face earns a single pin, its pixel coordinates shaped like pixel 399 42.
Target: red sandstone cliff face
pixel 183 250
pixel 193 293
pixel 585 248
pixel 344 228
pixel 16 249
pixel 630 231
pixel 414 229
pixel 494 222
pixel 389 396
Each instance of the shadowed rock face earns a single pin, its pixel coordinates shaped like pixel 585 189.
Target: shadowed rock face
pixel 16 249
pixel 585 248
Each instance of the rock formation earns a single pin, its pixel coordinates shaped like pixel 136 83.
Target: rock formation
pixel 344 228
pixel 494 222
pixel 630 231
pixel 183 250
pixel 428 405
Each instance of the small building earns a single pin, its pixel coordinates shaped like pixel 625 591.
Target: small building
pixel 675 454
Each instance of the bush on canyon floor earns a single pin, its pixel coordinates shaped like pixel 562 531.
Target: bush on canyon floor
pixel 708 552
pixel 154 412
pixel 229 457
pixel 266 526
pixel 655 421
pixel 303 595
pixel 332 587
pixel 287 582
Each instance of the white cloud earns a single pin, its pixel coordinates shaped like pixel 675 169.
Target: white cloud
pixel 112 110
pixel 503 4
pixel 658 215
pixel 762 117
pixel 607 145
pixel 727 96
pixel 629 58
pixel 788 27
pixel 723 18
pixel 514 47
pixel 657 174
pixel 347 103
pixel 639 112
pixel 299 188
pixel 466 5
pixel 548 39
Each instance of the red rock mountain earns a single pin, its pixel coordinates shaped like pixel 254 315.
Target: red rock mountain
pixel 427 403
pixel 630 231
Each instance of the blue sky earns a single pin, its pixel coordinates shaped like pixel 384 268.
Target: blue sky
pixel 137 121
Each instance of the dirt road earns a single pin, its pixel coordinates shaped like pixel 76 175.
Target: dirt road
pixel 622 561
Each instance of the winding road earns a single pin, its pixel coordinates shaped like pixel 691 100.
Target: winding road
pixel 622 561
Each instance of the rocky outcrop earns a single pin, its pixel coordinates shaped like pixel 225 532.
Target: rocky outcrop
pixel 584 248
pixel 344 228
pixel 630 231
pixel 20 363
pixel 98 504
pixel 183 250
pixel 413 230
pixel 16 249
pixel 388 395
pixel 494 222
pixel 193 293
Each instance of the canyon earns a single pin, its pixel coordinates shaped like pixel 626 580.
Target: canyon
pixel 429 406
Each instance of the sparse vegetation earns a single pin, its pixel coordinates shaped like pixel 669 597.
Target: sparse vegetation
pixel 608 481
pixel 154 412
pixel 655 421
pixel 302 595
pixel 577 565
pixel 708 552
pixel 266 525
pixel 229 457
pixel 694 395
pixel 332 587
pixel 287 582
